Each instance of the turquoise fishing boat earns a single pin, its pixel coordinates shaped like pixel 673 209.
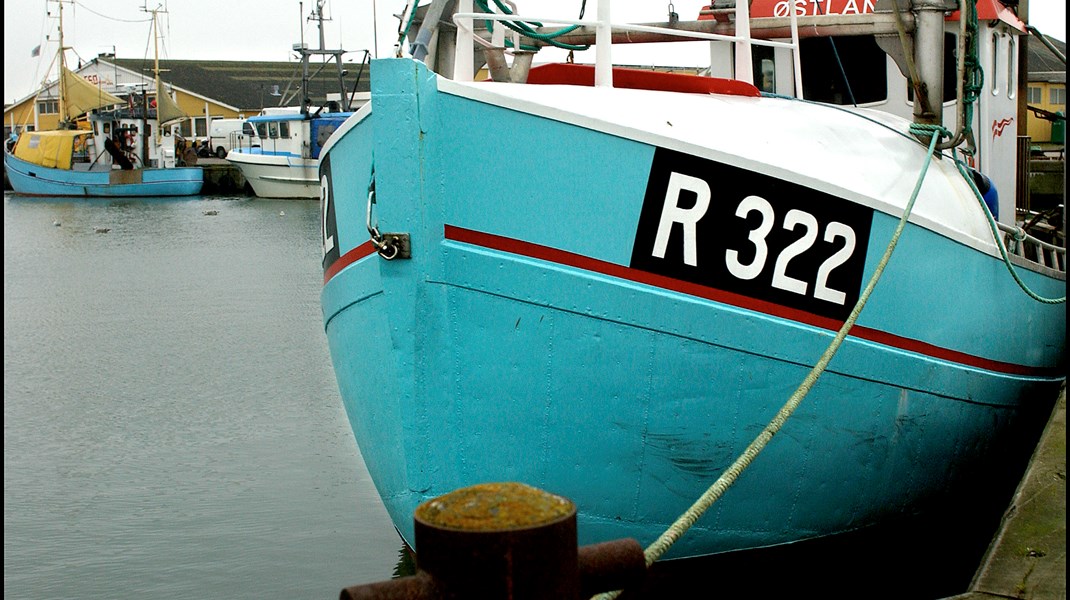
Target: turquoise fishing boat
pixel 655 293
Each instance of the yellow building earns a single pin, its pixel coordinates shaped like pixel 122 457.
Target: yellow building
pixel 205 90
pixel 1046 92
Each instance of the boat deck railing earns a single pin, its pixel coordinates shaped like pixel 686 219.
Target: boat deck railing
pixel 1033 249
pixel 604 30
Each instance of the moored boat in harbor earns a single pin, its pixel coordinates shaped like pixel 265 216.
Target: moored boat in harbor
pixel 105 146
pixel 286 162
pixel 619 285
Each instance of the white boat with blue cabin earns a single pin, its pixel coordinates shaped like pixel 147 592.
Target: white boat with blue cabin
pixel 717 316
pixel 286 163
pixel 106 145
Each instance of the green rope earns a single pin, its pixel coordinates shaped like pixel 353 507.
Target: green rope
pixel 974 77
pixel 527 31
pixel 999 241
pixel 715 491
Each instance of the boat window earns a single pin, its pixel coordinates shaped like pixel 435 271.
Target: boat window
pixel 273 130
pixel 284 129
pixel 764 68
pixel 843 70
pixel 995 64
pixel 80 149
pixel 951 67
pixel 261 129
pixel 247 129
pixel 1011 68
pixel 107 129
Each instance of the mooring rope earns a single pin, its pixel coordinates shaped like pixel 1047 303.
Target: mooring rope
pixel 675 531
pixel 999 240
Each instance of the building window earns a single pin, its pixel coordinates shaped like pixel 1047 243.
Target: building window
pixel 48 107
pixel 1057 95
pixel 1036 95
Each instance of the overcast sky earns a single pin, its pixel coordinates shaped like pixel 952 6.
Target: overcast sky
pixel 267 29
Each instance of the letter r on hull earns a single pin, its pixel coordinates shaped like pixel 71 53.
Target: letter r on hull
pixel 687 217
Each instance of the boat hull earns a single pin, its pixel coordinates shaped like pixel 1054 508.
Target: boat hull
pixel 30 179
pixel 278 175
pixel 530 338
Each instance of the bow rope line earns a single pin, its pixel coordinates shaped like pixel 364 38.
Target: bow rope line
pixel 675 531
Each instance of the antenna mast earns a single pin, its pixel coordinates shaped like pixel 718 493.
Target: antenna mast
pixel 62 65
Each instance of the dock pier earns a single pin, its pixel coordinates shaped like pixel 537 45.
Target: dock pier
pixel 221 178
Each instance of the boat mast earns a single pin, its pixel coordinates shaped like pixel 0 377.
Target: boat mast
pixel 62 67
pixel 156 77
pixel 306 54
pixel 304 65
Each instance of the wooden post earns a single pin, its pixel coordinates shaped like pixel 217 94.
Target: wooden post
pixel 506 541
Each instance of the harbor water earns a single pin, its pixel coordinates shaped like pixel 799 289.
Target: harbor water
pixel 172 425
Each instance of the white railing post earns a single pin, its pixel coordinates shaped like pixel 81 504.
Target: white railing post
pixel 465 55
pixel 603 40
pixel 744 62
pixel 796 61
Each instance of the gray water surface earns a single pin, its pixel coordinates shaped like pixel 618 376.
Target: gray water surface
pixel 172 425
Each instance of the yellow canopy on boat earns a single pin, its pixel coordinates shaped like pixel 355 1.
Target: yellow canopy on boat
pixel 51 149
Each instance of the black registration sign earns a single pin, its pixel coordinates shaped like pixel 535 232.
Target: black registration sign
pixel 747 233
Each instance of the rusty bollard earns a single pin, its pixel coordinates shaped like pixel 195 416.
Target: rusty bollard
pixel 506 541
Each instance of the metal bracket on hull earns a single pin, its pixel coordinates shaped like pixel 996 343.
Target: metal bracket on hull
pixel 395 245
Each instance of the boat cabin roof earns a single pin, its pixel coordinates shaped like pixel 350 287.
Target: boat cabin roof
pixel 51 148
pixel 987 10
pixel 295 117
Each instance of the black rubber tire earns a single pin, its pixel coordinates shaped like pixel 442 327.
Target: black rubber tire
pixel 221 152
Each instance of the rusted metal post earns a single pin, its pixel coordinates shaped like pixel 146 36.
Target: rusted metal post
pixel 506 541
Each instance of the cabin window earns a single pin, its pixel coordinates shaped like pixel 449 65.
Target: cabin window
pixel 843 70
pixel 995 64
pixel 247 129
pixel 80 149
pixel 48 107
pixel 1036 95
pixel 261 129
pixel 1057 95
pixel 1012 65
pixel 284 129
pixel 951 69
pixel 273 130
pixel 763 62
pixel 107 129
